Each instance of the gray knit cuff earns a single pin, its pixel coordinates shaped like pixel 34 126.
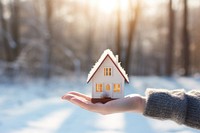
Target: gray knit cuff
pixel 193 111
pixel 163 104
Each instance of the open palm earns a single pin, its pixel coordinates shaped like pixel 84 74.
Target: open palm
pixel 130 103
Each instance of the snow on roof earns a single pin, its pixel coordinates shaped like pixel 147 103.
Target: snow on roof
pixel 114 59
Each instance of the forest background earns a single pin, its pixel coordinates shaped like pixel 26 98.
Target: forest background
pixel 45 38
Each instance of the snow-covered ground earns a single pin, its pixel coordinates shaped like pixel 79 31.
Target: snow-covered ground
pixel 35 106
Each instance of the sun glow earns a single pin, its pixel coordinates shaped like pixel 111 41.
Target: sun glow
pixel 109 6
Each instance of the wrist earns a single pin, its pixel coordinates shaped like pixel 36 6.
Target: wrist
pixel 143 104
pixel 139 104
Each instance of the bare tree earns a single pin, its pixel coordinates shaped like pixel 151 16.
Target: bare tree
pixel 89 47
pixel 118 31
pixel 4 32
pixel 15 24
pixel 185 40
pixel 133 18
pixel 170 45
pixel 48 38
pixel 91 16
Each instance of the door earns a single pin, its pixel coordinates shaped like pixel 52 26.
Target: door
pixel 107 89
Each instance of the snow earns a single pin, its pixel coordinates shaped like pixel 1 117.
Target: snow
pixel 107 53
pixel 34 106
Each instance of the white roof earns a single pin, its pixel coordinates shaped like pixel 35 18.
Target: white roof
pixel 114 59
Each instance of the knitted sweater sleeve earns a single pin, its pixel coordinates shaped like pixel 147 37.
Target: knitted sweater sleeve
pixel 176 105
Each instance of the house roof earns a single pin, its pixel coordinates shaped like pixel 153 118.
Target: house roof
pixel 107 53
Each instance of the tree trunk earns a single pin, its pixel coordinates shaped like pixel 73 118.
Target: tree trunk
pixel 89 36
pixel 49 11
pixel 8 56
pixel 15 27
pixel 170 45
pixel 118 31
pixel 185 40
pixel 131 30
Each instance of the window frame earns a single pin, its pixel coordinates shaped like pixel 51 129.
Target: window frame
pixel 99 87
pixel 117 88
pixel 107 71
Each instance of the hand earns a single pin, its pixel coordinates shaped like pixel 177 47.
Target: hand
pixel 131 103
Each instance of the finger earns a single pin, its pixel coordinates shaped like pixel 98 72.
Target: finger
pixel 82 103
pixel 87 105
pixel 80 95
pixel 71 96
pixel 68 96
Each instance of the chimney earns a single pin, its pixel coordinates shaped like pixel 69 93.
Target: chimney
pixel 117 58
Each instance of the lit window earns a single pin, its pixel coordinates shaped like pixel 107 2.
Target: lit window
pixel 99 87
pixel 108 87
pixel 107 71
pixel 117 88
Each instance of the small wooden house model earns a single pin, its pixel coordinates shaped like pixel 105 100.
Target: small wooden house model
pixel 108 78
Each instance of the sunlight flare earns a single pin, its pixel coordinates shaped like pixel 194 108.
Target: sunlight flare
pixel 109 6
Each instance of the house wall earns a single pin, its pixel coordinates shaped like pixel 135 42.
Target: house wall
pixel 115 78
